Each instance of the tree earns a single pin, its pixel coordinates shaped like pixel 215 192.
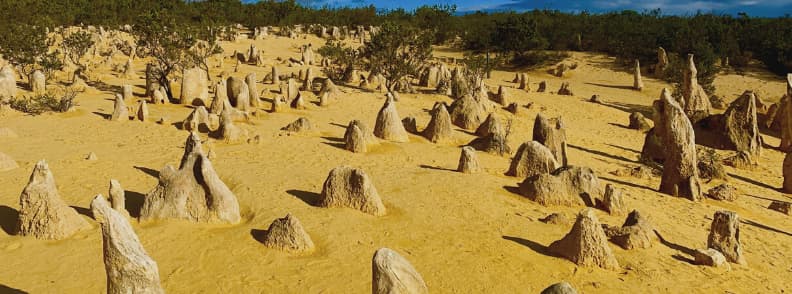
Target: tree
pixel 23 46
pixel 397 51
pixel 517 33
pixel 166 41
pixel 76 45
pixel 345 59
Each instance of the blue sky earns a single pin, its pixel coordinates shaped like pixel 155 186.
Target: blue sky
pixel 752 7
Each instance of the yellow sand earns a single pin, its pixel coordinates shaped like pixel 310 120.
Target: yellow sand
pixel 463 233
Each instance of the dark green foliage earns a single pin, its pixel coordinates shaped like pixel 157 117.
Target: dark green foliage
pixel 42 103
pixel 23 45
pixel 76 45
pixel 345 59
pixel 397 51
pixel 627 35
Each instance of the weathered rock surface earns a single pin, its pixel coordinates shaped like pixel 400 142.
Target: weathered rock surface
pixel 194 192
pixel 128 267
pixel 43 214
pixel 351 188
pixel 288 234
pixel 586 244
pixel 392 273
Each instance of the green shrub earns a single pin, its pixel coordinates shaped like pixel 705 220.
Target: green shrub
pixel 42 103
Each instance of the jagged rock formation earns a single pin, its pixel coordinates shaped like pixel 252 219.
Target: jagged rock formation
pixel 637 81
pixel 354 139
pixel 636 232
pixel 467 113
pixel 723 192
pixel 565 90
pixel 724 236
pixel 559 288
pixel 38 82
pixel 613 202
pixel 639 122
pixel 128 267
pixel 142 111
pixel 552 134
pixel 288 234
pixel 42 213
pixel 228 131
pixel 279 104
pixel 494 143
pixel 195 88
pixel 695 102
pixel 118 197
pixel 741 127
pixel 253 93
pixel 662 63
pixel 568 186
pixel 709 257
pixel 439 127
pixel 392 273
pixel 389 126
pixel 198 120
pixel 532 158
pixel 127 92
pixel 542 87
pixel 555 219
pixel 586 244
pixel 193 192
pixel 238 93
pixel 300 125
pixel 502 97
pixel 120 110
pixel 680 173
pixel 490 126
pixel 152 83
pixel 351 188
pixel 468 161
pixel 8 87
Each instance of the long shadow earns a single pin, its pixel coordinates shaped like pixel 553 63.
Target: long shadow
pixel 133 201
pixel 539 248
pixel 258 235
pixel 336 145
pixel 424 166
pixel 624 148
pixel 512 189
pixel 630 108
pixel 8 290
pixel 84 211
pixel 627 184
pixel 309 198
pixel 148 171
pixel 764 227
pixel 99 85
pixel 684 259
pixel 674 246
pixel 753 182
pixel 8 220
pixel 338 125
pixel 620 125
pixel 610 86
pixel 333 139
pixel 765 198
pixel 603 154
pixel 103 115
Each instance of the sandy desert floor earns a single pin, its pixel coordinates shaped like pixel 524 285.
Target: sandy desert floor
pixel 465 233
